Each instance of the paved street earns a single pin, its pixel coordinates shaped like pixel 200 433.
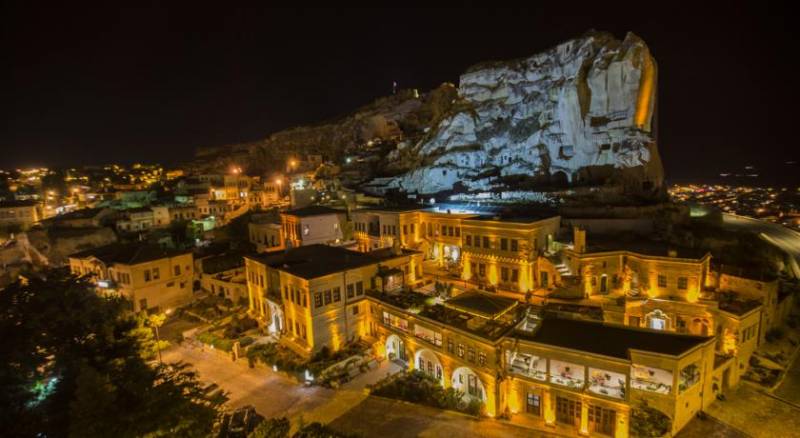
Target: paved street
pixel 789 388
pixel 381 417
pixel 757 414
pixel 780 236
pixel 271 393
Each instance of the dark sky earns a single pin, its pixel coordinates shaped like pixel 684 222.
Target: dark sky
pixel 107 84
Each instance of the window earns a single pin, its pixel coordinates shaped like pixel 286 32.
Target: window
pixel 603 420
pixel 297 327
pixel 534 404
pixel 327 297
pixel 568 411
pixel 458 231
pixel 460 350
pixel 412 229
pixel 471 354
pixel 143 303
pixel 360 288
pixel 450 346
pixel 504 274
pixel 337 294
pixel 485 241
pixel 662 281
pixel 683 283
pixel 543 276
pixel 303 331
pixel 514 245
pixel 177 270
pixel 504 244
pixel 514 275
pixel 286 292
pixel 317 299
pixel 482 359
pixel 351 290
pixel 481 270
pixel 305 298
pixel 469 240
pixel 405 230
pixel 146 275
pixel 355 310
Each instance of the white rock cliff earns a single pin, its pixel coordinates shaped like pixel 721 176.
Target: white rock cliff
pixel 580 113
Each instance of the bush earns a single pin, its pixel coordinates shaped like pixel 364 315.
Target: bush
pixel 319 430
pixel 648 422
pixel 215 341
pixel 275 354
pixel 245 341
pixel 272 428
pixel 237 326
pixel 418 387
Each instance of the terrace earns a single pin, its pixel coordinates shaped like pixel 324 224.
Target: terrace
pixel 481 314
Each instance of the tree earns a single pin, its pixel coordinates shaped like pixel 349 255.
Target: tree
pixel 70 366
pixel 149 345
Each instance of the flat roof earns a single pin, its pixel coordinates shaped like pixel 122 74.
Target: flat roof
pixel 313 210
pixel 514 218
pixel 392 209
pixel 129 254
pixel 313 261
pixel 640 245
pixel 609 340
pixel 481 304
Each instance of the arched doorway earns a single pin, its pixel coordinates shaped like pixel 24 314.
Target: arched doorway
pixel 467 381
pixel 395 348
pixel 426 361
pixel 657 320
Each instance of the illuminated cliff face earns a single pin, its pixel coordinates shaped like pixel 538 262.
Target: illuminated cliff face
pixel 581 111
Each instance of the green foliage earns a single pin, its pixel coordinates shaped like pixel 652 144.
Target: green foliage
pixel 275 354
pixel 72 368
pixel 238 326
pixel 272 428
pixel 647 421
pixel 216 341
pixel 418 387
pixel 143 334
pixel 319 430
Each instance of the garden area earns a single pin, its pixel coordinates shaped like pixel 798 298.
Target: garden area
pixel 418 387
pixel 224 333
pixel 772 358
pixel 328 368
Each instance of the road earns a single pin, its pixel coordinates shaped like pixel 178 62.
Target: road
pixel 271 393
pixel 780 236
pixel 381 417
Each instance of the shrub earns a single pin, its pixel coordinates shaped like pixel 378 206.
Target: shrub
pixel 275 354
pixel 272 428
pixel 648 422
pixel 319 430
pixel 219 343
pixel 418 387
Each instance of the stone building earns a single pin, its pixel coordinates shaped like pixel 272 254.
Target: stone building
pixel 150 277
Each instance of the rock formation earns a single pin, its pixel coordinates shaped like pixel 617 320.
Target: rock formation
pixel 575 119
pixel 578 114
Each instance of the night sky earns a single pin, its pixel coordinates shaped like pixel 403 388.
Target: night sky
pixel 97 85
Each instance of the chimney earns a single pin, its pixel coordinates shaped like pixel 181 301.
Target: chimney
pixel 579 239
